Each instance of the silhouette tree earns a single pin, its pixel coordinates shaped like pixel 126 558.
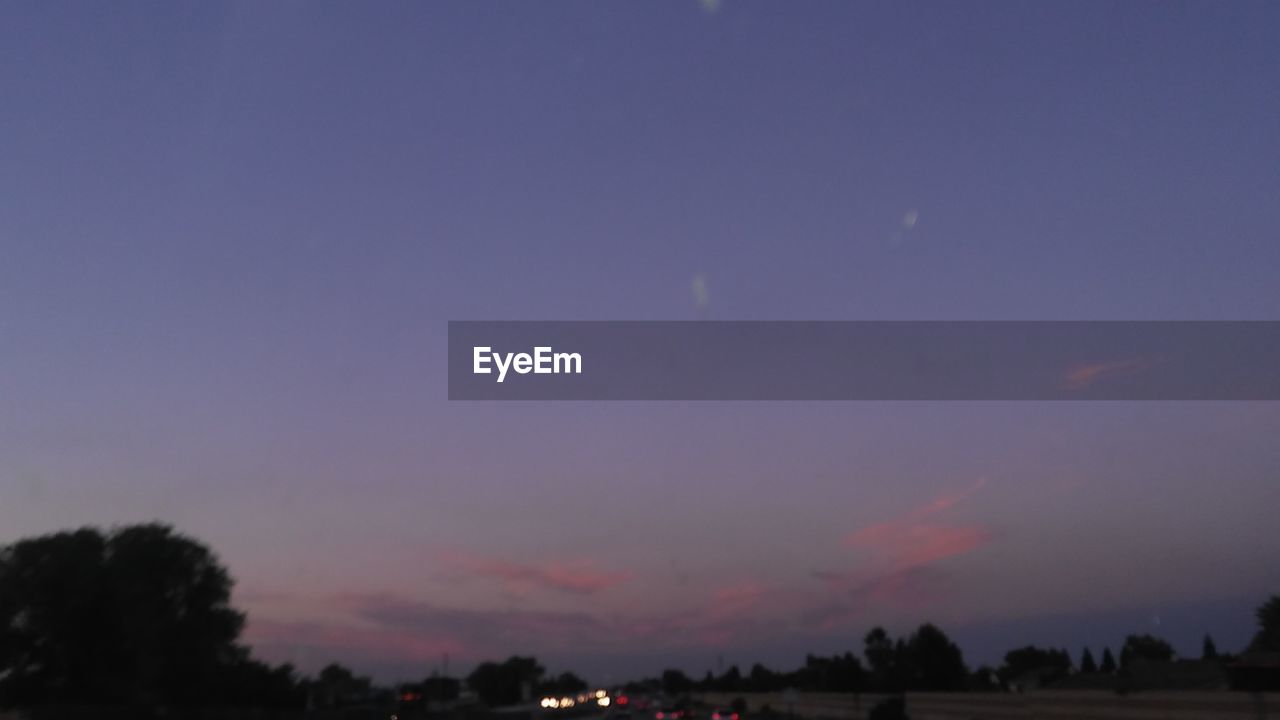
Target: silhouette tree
pixel 337 686
pixel 441 689
pixel 762 680
pixel 1267 638
pixel 1209 650
pixel 1044 665
pixel 249 683
pixel 840 673
pixel 139 616
pixel 985 678
pixel 675 682
pixel 565 683
pixel 504 683
pixel 1108 666
pixel 933 661
pixel 1087 665
pixel 707 683
pixel 730 681
pixel 878 649
pixel 1144 647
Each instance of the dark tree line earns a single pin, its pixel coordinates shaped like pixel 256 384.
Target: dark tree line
pixel 927 660
pixel 518 679
pixel 507 682
pixel 924 660
pixel 141 617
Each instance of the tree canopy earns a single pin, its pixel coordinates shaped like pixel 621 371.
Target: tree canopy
pixel 1145 647
pixel 1087 663
pixel 505 683
pixel 138 615
pixel 1267 638
pixel 1045 664
pixel 1108 665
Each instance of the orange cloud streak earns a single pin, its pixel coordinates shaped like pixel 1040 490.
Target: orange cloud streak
pixel 578 578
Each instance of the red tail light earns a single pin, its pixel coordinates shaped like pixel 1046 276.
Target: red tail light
pixel 733 716
pixel 715 716
pixel 659 716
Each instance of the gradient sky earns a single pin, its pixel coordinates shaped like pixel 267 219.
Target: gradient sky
pixel 231 235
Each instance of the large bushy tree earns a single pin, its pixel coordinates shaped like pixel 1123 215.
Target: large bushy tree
pixel 566 683
pixel 140 615
pixel 926 660
pixel 1267 638
pixel 504 683
pixel 1045 664
pixel 933 661
pixel 1146 648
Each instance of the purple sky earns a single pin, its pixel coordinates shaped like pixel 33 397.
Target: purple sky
pixel 232 235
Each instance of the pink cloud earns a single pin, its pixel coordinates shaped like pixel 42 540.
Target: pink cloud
pixel 915 539
pixel 910 546
pixel 314 644
pixel 392 635
pixel 1079 377
pixel 580 577
pixel 903 552
pixel 857 593
pixel 402 630
pixel 732 598
pixel 730 612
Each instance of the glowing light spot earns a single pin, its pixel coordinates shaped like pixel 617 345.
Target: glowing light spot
pixel 701 294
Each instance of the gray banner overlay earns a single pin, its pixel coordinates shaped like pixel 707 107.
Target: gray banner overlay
pixel 705 360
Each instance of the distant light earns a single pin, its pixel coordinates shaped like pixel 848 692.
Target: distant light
pixel 601 693
pixel 602 702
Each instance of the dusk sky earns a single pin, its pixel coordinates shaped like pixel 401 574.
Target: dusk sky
pixel 232 234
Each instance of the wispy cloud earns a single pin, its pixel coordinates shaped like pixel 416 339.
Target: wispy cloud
pixel 1079 377
pixel 399 632
pixel 903 553
pixel 483 629
pixel 580 577
pixel 854 594
pixel 917 538
pixel 731 612
pixel 312 644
